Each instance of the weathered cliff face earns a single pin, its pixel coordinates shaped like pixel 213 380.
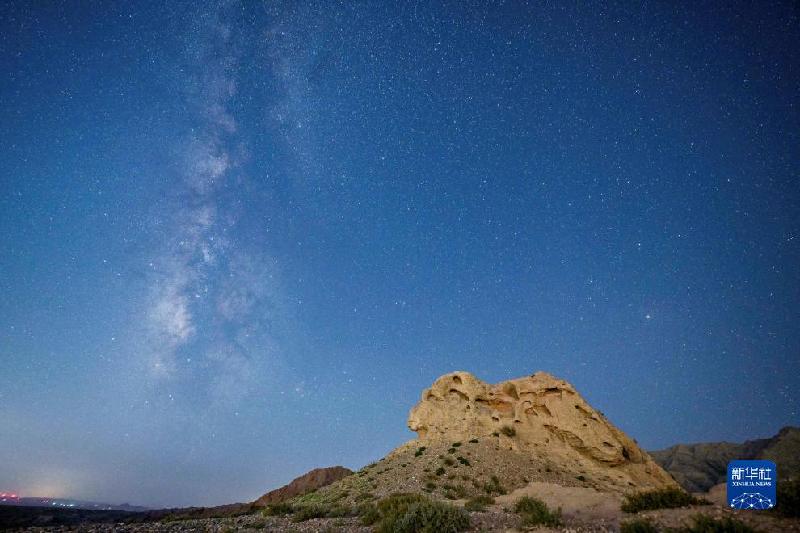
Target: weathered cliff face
pixel 539 415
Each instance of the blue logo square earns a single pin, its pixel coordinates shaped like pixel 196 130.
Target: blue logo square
pixel 751 484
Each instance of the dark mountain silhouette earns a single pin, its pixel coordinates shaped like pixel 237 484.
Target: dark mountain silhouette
pixel 698 467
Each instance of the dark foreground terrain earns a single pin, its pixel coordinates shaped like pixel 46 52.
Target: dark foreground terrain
pixel 17 517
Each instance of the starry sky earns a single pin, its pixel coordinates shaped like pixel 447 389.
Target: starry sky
pixel 239 239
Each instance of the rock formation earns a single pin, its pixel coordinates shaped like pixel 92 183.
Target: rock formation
pixel 539 416
pixel 315 479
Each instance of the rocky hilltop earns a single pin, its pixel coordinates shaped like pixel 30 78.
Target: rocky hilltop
pixel 540 417
pixel 698 467
pixel 308 482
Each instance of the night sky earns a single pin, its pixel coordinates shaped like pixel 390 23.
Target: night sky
pixel 238 240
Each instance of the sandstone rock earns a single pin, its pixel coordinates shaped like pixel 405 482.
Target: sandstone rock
pixel 315 479
pixel 539 416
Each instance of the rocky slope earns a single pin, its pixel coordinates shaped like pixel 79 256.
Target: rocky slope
pixel 310 481
pixel 698 467
pixel 477 439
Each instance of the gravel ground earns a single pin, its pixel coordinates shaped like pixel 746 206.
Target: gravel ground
pixel 221 525
pixel 493 520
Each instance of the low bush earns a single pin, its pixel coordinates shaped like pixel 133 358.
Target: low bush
pixel 463 461
pixel 494 486
pixel 659 499
pixel 478 503
pixel 307 512
pixel 638 525
pixel 431 517
pixel 452 492
pixel 473 441
pixel 788 498
pixel 320 510
pixel 508 431
pixel 534 512
pixel 420 515
pixel 369 513
pixel 278 509
pixel 439 471
pixel 414 513
pixel 706 524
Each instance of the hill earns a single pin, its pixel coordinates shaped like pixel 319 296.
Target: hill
pixel 698 467
pixel 476 439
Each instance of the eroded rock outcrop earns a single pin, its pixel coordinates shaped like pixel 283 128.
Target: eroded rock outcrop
pixel 538 415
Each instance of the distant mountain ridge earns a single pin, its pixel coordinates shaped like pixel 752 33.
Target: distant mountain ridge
pixel 698 467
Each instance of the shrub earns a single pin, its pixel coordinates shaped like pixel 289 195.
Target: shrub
pixel 463 461
pixel 432 517
pixel 638 526
pixel 307 512
pixel 427 517
pixel 706 524
pixel 278 509
pixel 369 514
pixel 478 503
pixel 439 471
pixel 658 499
pixel 494 486
pixel 448 461
pixel 534 512
pixel 473 441
pixel 451 450
pixel 419 451
pixel 788 498
pixel 508 431
pixel 456 444
pixel 397 502
pixel 414 513
pixel 319 510
pixel 580 478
